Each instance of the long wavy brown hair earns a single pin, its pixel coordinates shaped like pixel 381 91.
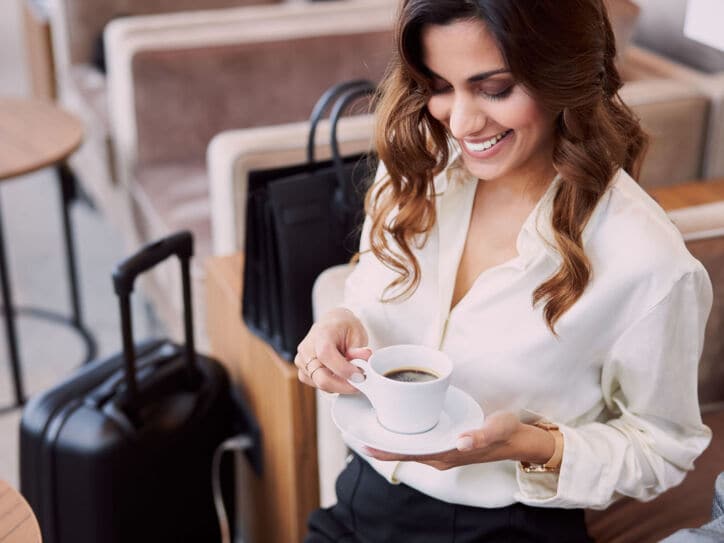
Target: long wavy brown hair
pixel 563 52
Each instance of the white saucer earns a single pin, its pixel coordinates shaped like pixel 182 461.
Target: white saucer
pixel 355 417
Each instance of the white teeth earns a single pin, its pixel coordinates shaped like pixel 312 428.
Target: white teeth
pixel 485 145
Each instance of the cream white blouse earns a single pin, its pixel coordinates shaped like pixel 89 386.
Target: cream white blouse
pixel 620 379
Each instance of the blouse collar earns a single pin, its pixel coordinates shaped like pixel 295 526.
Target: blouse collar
pixel 537 232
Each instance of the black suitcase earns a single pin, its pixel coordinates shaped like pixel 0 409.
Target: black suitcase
pixel 122 451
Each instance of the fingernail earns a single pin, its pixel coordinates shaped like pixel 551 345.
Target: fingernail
pixel 464 443
pixel 357 378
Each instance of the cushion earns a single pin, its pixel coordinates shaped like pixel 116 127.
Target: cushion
pixel 170 197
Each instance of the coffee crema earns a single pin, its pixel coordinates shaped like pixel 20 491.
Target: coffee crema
pixel 411 374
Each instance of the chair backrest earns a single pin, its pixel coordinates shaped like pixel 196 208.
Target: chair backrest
pixel 255 67
pixel 233 154
pixel 83 20
pixel 674 114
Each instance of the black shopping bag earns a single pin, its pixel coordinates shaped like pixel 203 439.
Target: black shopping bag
pixel 301 220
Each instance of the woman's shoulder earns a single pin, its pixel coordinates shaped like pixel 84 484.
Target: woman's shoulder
pixel 633 231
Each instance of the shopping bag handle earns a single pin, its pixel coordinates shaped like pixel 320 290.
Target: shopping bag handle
pixel 337 110
pixel 321 106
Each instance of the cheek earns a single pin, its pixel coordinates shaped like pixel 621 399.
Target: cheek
pixel 438 108
pixel 525 114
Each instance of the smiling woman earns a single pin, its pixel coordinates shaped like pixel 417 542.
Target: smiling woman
pixel 504 228
pixel 545 67
pixel 502 130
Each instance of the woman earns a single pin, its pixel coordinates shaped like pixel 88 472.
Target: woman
pixel 504 229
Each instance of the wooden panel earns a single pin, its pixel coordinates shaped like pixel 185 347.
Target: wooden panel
pixel 277 503
pixel 39 53
pixel 689 194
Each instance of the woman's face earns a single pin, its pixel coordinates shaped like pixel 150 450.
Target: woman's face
pixel 501 129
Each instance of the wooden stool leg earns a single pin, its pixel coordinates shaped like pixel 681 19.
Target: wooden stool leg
pixel 68 194
pixel 67 190
pixel 10 332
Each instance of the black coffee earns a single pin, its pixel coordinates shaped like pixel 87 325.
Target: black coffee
pixel 412 375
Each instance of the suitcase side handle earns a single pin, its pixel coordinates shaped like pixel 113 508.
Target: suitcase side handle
pixel 181 245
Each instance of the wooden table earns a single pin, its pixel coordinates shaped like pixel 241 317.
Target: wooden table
pixel 689 194
pixel 277 504
pixel 35 135
pixel 17 521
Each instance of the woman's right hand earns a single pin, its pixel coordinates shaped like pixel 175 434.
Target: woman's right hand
pixel 323 356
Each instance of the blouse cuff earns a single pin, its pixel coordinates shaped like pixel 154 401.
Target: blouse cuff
pixel 536 487
pixel 559 489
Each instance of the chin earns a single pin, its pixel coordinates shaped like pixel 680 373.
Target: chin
pixel 485 172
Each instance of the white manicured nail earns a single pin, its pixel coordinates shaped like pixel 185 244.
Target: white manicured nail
pixel 357 378
pixel 464 443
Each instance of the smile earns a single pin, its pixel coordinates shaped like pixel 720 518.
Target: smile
pixel 487 144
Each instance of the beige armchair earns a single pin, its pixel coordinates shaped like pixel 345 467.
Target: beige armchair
pixel 175 80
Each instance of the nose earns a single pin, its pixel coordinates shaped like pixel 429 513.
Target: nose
pixel 466 116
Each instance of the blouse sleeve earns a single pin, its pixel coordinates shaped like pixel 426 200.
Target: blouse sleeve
pixel 649 381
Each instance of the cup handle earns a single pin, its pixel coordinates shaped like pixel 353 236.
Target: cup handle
pixel 362 386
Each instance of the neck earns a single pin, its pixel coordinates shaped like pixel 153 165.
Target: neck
pixel 524 187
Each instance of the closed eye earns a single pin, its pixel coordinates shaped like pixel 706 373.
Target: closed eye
pixel 498 95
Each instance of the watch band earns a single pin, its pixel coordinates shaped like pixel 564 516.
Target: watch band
pixel 553 465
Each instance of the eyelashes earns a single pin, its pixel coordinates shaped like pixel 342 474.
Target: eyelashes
pixel 500 95
pixel 487 95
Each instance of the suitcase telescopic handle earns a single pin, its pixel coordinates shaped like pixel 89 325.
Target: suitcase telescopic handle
pixel 180 244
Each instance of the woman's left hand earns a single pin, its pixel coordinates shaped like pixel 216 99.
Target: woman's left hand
pixel 502 437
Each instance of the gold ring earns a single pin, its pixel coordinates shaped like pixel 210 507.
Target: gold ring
pixel 311 375
pixel 306 366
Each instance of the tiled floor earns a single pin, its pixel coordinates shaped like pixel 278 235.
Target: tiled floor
pixel 31 217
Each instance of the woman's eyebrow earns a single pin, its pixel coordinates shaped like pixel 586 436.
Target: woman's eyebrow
pixel 477 77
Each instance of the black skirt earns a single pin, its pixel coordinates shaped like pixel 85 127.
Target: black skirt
pixel 371 510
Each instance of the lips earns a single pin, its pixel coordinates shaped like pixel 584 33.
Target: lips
pixel 485 145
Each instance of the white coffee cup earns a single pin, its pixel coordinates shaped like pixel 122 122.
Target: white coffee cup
pixel 406 407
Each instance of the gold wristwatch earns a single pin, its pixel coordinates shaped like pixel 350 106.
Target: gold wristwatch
pixel 553 465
